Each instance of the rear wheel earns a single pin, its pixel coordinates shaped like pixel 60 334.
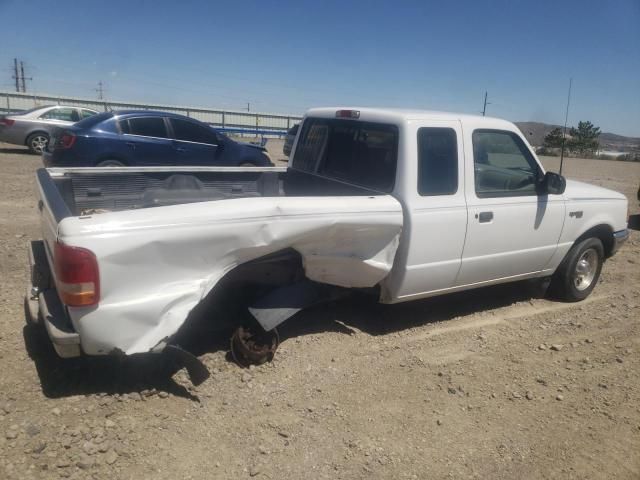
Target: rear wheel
pixel 578 274
pixel 37 143
pixel 110 163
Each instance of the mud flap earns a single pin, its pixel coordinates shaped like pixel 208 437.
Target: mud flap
pixel 197 371
pixel 283 303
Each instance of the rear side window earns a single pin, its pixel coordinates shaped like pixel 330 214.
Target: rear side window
pixel 66 114
pixel 87 113
pixel 437 161
pixel 145 126
pixel 192 132
pixel 361 153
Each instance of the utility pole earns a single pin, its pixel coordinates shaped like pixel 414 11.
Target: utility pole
pixel 100 91
pixel 484 108
pixel 248 107
pixel 24 86
pixel 16 75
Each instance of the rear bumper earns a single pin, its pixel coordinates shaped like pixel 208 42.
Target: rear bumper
pixel 43 305
pixel 619 238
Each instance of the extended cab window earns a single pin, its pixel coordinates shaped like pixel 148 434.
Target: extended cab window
pixel 504 167
pixel 145 126
pixel 361 153
pixel 190 132
pixel 437 161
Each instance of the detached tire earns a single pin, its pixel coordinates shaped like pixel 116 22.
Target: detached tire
pixel 579 272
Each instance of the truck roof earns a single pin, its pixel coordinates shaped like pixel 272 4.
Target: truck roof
pixel 401 114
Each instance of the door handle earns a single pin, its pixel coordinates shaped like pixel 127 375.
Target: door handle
pixel 132 145
pixel 484 217
pixel 180 149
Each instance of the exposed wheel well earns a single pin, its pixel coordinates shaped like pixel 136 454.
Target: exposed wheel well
pixel 604 233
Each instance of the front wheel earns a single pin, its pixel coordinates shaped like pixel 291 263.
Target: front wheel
pixel 37 143
pixel 578 274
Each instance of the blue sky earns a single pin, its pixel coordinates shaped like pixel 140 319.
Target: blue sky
pixel 288 56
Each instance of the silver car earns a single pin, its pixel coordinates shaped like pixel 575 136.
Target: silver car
pixel 33 127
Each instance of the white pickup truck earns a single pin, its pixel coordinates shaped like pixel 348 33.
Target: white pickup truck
pixel 403 204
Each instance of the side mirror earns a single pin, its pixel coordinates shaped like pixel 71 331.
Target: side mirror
pixel 553 183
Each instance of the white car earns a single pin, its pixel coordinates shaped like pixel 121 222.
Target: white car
pixel 33 127
pixel 402 204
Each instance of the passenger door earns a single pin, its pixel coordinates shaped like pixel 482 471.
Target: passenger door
pixel 193 144
pixel 512 229
pixel 147 141
pixel 435 219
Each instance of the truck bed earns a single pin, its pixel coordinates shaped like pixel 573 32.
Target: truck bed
pixel 82 191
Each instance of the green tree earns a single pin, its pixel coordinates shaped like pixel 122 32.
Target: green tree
pixel 584 139
pixel 553 139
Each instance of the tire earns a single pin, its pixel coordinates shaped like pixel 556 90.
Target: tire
pixel 110 163
pixel 37 142
pixel 579 272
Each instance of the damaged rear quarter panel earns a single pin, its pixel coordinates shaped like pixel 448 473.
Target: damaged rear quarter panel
pixel 156 264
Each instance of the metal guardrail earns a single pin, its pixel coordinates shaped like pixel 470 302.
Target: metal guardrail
pixel 235 122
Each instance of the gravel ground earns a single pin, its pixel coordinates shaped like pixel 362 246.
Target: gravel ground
pixel 495 383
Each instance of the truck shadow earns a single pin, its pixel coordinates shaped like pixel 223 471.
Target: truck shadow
pixel 99 375
pixel 366 315
pixel 359 313
pixel 204 334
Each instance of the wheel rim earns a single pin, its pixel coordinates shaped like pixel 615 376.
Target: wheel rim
pixel 585 270
pixel 39 143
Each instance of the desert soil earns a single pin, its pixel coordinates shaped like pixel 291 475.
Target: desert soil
pixel 499 383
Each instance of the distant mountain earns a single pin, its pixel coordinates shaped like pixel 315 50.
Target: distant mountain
pixel 536 131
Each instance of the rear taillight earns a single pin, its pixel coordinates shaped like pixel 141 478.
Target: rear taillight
pixel 7 122
pixel 77 276
pixel 66 140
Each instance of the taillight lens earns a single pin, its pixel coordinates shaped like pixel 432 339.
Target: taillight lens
pixel 66 140
pixel 7 122
pixel 77 276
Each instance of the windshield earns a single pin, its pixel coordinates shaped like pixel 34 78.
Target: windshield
pixel 361 153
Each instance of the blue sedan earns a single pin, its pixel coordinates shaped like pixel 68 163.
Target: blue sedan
pixel 147 138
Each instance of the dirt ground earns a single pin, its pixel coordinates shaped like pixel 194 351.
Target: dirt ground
pixel 498 383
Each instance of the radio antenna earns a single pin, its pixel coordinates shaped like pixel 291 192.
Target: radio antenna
pixel 564 131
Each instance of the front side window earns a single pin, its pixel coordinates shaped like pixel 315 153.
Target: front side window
pixel 360 153
pixel 437 161
pixel 503 165
pixel 65 114
pixel 192 132
pixel 145 126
